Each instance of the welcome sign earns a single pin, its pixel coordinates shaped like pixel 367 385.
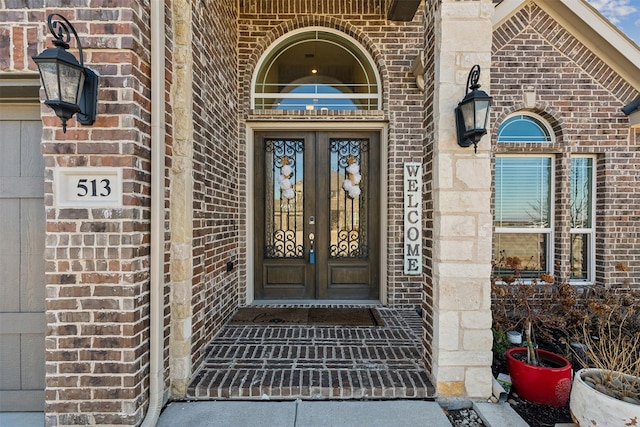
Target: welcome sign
pixel 412 218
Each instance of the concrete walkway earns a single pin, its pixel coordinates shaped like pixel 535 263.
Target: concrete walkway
pixel 385 413
pixel 227 413
pixel 397 413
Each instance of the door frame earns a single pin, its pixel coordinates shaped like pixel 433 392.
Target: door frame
pixel 252 128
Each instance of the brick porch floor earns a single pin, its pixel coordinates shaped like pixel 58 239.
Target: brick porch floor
pixel 316 362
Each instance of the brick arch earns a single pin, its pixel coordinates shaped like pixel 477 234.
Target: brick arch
pixel 316 21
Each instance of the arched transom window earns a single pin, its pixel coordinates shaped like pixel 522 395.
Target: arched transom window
pixel 316 70
pixel 523 128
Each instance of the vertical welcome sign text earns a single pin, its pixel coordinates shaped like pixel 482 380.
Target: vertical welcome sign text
pixel 412 218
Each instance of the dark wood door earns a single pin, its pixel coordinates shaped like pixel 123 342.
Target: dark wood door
pixel 317 215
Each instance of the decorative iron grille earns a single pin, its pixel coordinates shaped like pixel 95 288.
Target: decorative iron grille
pixel 349 216
pixel 284 198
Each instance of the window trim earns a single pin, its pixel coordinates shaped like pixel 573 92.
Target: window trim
pixel 550 230
pixel 591 232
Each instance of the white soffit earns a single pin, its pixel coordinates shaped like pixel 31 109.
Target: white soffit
pixel 593 30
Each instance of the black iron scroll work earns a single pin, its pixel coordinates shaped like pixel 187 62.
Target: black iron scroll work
pixel 472 79
pixel 63 35
pixel 281 241
pixel 472 84
pixel 351 233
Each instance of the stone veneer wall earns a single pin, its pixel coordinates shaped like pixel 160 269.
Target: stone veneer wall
pixel 581 97
pixel 393 47
pixel 460 246
pixel 181 189
pixel 97 259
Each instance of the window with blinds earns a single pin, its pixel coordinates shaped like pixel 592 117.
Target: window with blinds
pixel 524 197
pixel 523 211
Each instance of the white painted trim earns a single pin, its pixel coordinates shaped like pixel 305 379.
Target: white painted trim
pixel 605 29
pixel 505 10
pixel 253 127
pixel 591 232
pixel 315 95
pixel 249 214
pixel 307 125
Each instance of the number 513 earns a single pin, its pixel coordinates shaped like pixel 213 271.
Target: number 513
pixel 94 188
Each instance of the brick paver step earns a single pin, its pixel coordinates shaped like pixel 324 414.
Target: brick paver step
pixel 316 362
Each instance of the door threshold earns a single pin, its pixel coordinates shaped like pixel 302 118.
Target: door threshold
pixel 316 302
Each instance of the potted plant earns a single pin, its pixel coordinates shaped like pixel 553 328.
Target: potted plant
pixel 535 306
pixel 608 391
pixel 538 375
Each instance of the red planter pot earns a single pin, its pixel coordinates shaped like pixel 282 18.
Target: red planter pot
pixel 546 385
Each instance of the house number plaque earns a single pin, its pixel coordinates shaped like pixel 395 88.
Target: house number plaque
pixel 90 187
pixel 412 218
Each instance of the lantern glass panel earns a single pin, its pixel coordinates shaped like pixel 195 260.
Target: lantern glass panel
pixel 468 115
pixel 49 79
pixel 482 112
pixel 71 83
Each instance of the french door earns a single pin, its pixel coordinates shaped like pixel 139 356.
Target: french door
pixel 317 215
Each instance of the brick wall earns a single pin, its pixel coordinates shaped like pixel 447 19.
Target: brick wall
pixel 393 47
pixel 97 259
pixel 21 35
pixel 216 166
pixel 427 166
pixel 581 97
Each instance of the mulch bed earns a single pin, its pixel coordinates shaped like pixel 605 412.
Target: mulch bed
pixel 537 415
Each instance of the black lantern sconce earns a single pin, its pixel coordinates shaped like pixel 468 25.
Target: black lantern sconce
pixel 69 86
pixel 472 112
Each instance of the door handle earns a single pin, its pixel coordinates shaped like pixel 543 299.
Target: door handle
pixel 312 252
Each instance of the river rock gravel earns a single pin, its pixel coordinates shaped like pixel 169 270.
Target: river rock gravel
pixel 464 418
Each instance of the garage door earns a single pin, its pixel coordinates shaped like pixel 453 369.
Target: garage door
pixel 22 280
